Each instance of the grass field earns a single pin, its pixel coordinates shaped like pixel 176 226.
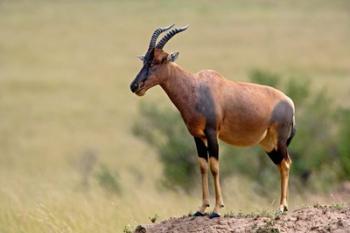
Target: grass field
pixel 65 68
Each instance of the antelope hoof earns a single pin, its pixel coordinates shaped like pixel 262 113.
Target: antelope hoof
pixel 283 208
pixel 199 214
pixel 278 213
pixel 214 215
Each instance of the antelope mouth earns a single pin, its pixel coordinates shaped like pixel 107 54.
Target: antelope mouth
pixel 141 90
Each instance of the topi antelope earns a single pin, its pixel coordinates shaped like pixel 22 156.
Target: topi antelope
pixel 239 113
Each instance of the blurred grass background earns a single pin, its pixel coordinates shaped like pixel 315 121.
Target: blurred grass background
pixel 66 111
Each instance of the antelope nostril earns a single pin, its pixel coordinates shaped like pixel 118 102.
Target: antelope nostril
pixel 134 86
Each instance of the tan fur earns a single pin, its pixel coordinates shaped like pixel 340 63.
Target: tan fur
pixel 269 141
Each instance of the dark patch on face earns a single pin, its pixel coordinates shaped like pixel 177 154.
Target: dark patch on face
pixel 202 150
pixel 144 72
pixel 276 156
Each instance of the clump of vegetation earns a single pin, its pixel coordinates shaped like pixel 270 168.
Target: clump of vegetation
pixel 267 229
pixel 127 229
pixel 108 180
pixel 264 77
pixel 254 215
pixel 85 165
pixel 165 131
pixel 154 218
pixel 140 229
pixel 318 147
pixel 344 145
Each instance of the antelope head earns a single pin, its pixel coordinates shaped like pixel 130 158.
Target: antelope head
pixel 154 61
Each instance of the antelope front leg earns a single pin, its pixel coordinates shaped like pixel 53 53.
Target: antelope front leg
pixel 213 149
pixel 203 166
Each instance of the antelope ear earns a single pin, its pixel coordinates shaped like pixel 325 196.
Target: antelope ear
pixel 141 57
pixel 172 57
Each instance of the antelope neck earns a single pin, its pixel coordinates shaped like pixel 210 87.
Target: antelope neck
pixel 179 85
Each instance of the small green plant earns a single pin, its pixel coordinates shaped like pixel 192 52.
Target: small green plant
pixel 86 165
pixel 263 213
pixel 318 205
pixel 140 229
pixel 267 229
pixel 264 77
pixel 338 206
pixel 127 229
pixel 154 218
pixel 107 180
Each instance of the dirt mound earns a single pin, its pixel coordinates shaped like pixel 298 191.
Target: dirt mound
pixel 311 219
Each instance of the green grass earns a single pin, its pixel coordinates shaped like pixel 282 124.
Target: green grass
pixel 65 67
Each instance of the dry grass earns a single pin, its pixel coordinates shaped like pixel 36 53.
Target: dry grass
pixel 65 67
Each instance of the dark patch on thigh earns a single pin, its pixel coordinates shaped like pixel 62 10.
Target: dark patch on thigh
pixel 276 156
pixel 282 116
pixel 282 113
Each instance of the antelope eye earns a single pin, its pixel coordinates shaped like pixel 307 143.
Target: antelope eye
pixel 153 65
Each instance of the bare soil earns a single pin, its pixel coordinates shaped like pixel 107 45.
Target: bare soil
pixel 310 219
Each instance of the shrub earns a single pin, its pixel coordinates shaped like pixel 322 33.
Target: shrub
pixel 165 131
pixel 344 145
pixel 107 180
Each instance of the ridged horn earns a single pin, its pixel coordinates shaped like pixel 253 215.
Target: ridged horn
pixel 155 36
pixel 169 35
